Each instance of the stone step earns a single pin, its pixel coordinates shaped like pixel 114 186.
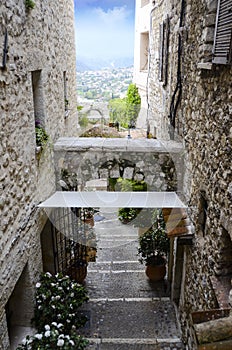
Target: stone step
pixel 124 284
pixel 128 265
pixel 134 344
pixel 142 318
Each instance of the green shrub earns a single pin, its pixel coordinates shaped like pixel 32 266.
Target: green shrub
pixel 57 316
pixel 41 136
pixel 126 215
pixel 83 121
pixel 29 4
pixel 127 185
pixel 57 299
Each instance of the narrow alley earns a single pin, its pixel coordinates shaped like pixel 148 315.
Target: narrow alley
pixel 125 310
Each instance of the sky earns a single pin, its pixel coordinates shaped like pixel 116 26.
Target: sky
pixel 104 29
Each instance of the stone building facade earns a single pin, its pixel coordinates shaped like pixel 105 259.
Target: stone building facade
pixel 190 100
pixel 141 50
pixel 37 86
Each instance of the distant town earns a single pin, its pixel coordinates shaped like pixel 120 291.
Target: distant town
pixel 103 85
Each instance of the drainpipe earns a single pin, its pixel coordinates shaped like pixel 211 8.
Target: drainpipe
pixel 176 97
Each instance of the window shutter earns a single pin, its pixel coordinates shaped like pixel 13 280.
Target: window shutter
pixel 163 51
pixel 222 51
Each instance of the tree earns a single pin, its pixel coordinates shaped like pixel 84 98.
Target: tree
pixel 133 101
pixel 118 111
pixel 126 110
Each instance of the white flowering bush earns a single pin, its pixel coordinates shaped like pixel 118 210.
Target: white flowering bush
pixel 52 337
pixel 57 316
pixel 58 299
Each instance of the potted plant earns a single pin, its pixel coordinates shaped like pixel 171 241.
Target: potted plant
pixel 126 215
pixel 87 215
pixel 154 247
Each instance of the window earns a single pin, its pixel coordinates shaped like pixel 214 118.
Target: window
pixel 222 50
pixel 144 49
pixel 163 51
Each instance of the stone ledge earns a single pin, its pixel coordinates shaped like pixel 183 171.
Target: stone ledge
pixel 205 65
pixel 117 144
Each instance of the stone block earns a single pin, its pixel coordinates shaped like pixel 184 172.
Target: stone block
pixel 210 20
pixel 208 35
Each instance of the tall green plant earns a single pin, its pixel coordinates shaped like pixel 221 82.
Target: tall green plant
pixel 126 110
pixel 133 101
pixel 117 111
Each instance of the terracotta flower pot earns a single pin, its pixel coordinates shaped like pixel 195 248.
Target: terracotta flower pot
pixel 77 273
pixel 89 221
pixel 156 272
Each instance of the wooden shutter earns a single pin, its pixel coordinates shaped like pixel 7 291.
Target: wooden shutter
pixel 163 51
pixel 222 50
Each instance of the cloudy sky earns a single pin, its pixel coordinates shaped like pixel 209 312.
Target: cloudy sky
pixel 105 28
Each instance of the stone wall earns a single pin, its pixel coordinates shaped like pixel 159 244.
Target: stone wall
pixel 203 122
pixel 161 166
pixel 40 40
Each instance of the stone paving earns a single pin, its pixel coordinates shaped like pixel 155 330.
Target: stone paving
pixel 125 310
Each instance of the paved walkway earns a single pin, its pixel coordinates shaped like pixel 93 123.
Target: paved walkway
pixel 125 311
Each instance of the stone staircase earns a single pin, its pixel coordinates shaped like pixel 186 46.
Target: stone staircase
pixel 125 310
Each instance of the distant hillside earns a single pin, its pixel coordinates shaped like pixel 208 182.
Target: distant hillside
pixel 84 64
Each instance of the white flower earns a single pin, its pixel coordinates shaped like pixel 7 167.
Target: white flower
pixel 48 274
pixel 47 327
pixel 71 342
pixel 60 342
pixel 72 295
pixel 24 341
pixel 59 325
pixel 38 336
pixel 54 324
pixel 47 334
pixel 38 285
